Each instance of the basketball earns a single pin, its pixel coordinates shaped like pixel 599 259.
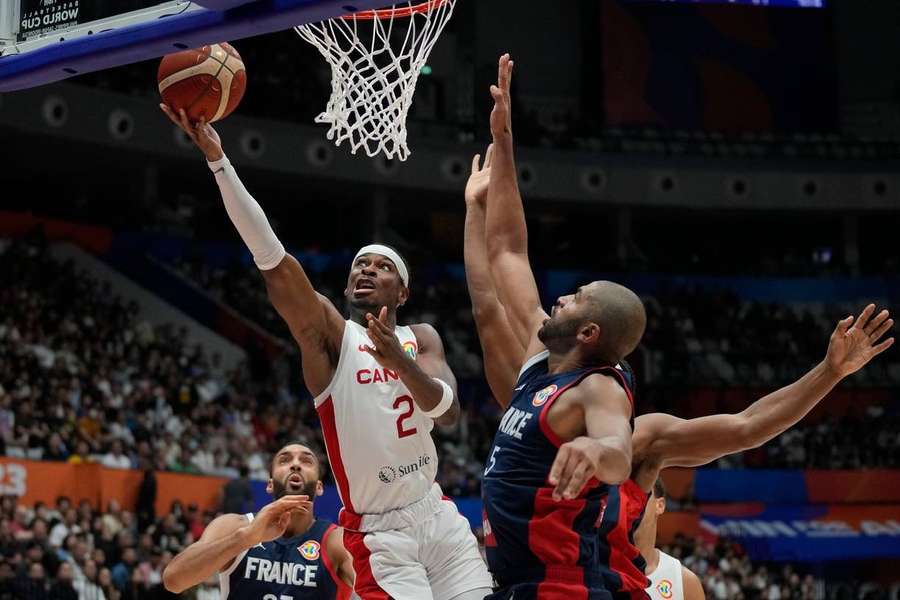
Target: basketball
pixel 207 82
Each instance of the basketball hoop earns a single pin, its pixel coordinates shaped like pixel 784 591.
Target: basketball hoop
pixel 375 65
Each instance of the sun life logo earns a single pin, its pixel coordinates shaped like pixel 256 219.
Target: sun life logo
pixel 410 349
pixel 387 474
pixel 310 550
pixel 664 588
pixel 543 395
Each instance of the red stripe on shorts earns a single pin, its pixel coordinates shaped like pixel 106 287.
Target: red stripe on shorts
pixel 553 539
pixel 366 587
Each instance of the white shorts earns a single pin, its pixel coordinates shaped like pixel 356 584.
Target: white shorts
pixel 425 551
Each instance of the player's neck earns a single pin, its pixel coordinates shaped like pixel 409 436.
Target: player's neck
pixel 358 316
pixel 645 541
pixel 568 361
pixel 300 524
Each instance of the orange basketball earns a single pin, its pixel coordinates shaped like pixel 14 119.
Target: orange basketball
pixel 206 82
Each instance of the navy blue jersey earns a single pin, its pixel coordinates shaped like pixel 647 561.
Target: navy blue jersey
pixel 295 568
pixel 537 547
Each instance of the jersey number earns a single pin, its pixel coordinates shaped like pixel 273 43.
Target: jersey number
pixel 404 416
pixel 274 597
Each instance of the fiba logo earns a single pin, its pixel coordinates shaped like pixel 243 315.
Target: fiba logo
pixel 387 474
pixel 543 395
pixel 664 588
pixel 310 550
pixel 411 349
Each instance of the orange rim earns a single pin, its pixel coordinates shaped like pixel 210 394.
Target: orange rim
pixel 396 13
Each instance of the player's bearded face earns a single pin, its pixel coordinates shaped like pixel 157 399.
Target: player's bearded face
pixel 294 484
pixel 559 331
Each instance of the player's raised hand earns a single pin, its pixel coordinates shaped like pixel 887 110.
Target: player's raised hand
pixel 501 116
pixel 385 348
pixel 854 344
pixel 576 463
pixel 201 133
pixel 273 520
pixel 480 178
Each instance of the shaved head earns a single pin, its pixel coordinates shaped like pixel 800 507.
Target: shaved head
pixel 620 315
pixel 607 318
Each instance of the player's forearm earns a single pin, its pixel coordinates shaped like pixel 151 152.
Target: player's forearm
pixel 248 217
pixel 771 415
pixel 201 560
pixel 614 465
pixel 505 222
pixel 478 273
pixel 427 393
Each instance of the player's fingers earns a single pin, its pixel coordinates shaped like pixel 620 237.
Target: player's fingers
pixel 565 478
pixel 557 467
pixel 883 329
pixel 876 322
pixel 496 93
pixel 576 483
pixel 372 352
pixel 476 162
pixel 842 326
pixel 488 157
pixel 863 319
pixel 883 346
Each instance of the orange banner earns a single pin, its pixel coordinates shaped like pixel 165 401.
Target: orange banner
pixel 35 481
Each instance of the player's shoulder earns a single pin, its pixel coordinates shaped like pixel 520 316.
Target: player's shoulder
pixel 427 336
pixel 693 587
pixel 601 386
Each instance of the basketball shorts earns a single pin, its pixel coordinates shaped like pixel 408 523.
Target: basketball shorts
pixel 425 551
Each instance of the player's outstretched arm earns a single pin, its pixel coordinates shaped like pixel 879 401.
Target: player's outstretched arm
pixel 670 441
pixel 507 232
pixel 225 538
pixel 314 321
pixel 604 452
pixel 503 353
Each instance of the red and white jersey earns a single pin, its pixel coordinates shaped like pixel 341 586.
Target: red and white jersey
pixel 378 441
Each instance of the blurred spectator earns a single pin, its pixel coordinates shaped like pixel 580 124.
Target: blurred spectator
pixel 237 495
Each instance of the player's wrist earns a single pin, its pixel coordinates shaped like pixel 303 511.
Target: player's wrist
pixel 214 154
pixel 246 537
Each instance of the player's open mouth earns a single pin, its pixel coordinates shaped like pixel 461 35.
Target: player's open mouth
pixel 364 287
pixel 295 479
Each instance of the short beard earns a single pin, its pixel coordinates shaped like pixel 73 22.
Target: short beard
pixel 279 490
pixel 558 335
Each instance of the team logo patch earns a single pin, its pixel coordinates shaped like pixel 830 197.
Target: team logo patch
pixel 543 395
pixel 310 550
pixel 664 588
pixel 411 349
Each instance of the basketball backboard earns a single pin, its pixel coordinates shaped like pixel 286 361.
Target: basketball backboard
pixel 42 41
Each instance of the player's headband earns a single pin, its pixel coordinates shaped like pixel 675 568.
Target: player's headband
pixel 387 253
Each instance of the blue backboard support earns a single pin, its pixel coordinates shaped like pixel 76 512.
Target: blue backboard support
pixel 170 27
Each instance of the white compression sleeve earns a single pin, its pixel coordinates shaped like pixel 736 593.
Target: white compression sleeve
pixel 248 217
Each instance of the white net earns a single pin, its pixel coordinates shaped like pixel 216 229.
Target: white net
pixel 376 59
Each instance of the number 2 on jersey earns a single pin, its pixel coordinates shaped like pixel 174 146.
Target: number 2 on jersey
pixel 401 431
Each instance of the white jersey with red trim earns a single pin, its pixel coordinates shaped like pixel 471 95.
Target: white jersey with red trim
pixel 378 440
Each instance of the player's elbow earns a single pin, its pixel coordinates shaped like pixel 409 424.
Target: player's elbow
pixel 451 417
pixel 172 580
pixel 616 464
